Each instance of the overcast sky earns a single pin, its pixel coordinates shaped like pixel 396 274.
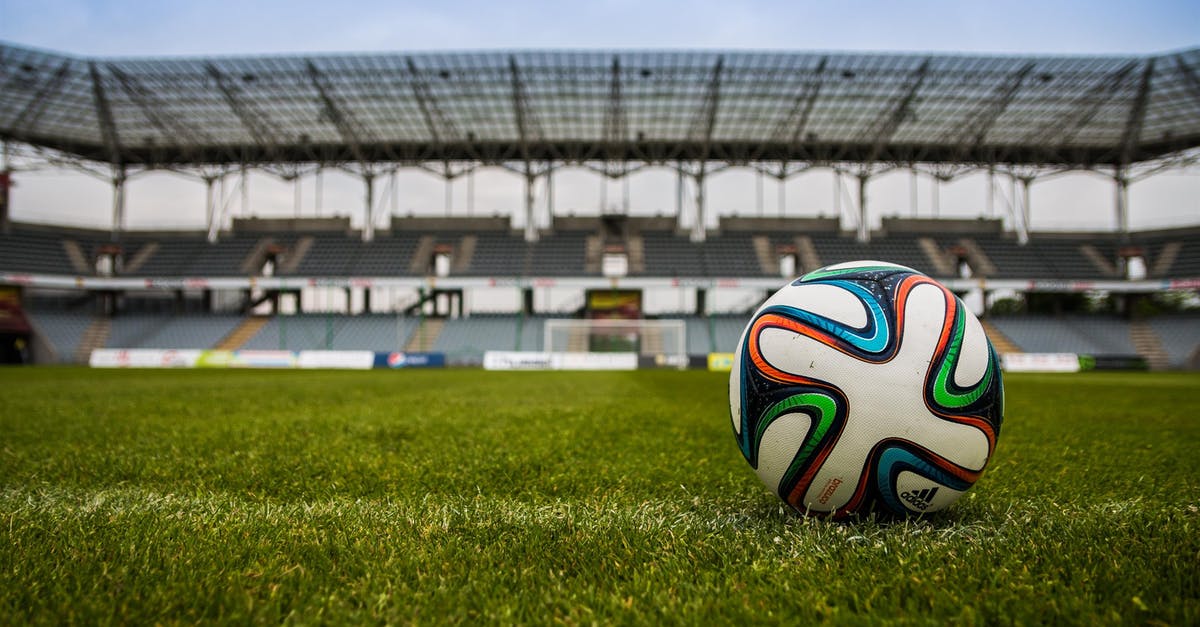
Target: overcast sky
pixel 155 28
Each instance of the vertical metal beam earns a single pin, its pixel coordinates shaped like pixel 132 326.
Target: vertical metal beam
pixel 1122 203
pixel 368 232
pixel 245 189
pixel 1026 210
pixel 698 226
pixel 531 230
pixel 296 199
pixel 679 183
pixel 318 191
pixel 210 209
pixel 864 228
pixel 118 220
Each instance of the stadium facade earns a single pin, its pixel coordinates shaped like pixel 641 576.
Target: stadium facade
pixel 533 113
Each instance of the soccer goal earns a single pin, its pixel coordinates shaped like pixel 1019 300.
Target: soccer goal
pixel 647 338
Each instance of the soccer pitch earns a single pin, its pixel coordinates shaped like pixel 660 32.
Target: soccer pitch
pixel 468 496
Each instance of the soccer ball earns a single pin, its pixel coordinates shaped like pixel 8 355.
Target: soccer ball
pixel 866 386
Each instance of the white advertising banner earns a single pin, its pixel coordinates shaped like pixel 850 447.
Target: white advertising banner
pixel 1040 362
pixel 516 360
pixel 527 360
pixel 595 361
pixel 352 360
pixel 143 358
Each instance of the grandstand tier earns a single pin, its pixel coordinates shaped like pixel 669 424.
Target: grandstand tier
pixel 749 251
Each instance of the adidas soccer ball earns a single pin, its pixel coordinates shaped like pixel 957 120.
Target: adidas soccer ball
pixel 866 386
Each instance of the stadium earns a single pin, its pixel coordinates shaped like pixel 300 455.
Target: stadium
pixel 304 490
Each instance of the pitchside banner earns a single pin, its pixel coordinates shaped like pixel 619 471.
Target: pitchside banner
pixel 341 360
pixel 1040 362
pixel 409 360
pixel 143 358
pixel 528 360
pixel 720 362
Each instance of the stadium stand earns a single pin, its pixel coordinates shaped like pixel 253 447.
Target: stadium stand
pixel 141 330
pixel 901 249
pixel 1089 335
pixel 464 340
pixel 377 332
pixel 1180 335
pixel 61 330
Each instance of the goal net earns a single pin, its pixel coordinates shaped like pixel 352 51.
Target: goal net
pixel 647 338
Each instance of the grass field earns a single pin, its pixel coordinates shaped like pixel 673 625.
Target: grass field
pixel 465 496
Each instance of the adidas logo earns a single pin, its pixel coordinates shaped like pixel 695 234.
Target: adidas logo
pixel 919 499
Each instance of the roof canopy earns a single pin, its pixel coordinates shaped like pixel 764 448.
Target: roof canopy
pixel 575 106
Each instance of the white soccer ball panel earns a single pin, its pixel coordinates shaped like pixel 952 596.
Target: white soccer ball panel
pixel 973 358
pixel 779 447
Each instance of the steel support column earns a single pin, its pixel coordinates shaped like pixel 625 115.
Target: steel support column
pixel 1019 209
pixel 1122 203
pixel 864 229
pixel 210 209
pixel 118 220
pixel 679 196
pixel 531 230
pixel 991 196
pixel 368 232
pixel 698 226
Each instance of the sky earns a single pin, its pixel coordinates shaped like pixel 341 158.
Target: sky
pixel 1081 201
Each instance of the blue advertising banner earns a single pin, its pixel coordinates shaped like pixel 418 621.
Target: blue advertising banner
pixel 410 360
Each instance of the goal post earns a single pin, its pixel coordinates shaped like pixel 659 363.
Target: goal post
pixel 647 338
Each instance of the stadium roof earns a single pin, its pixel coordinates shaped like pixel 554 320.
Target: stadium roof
pixel 575 106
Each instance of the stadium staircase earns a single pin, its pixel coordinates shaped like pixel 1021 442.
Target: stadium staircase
pixel 1166 258
pixel 593 254
pixel 296 254
pixel 1098 260
pixel 465 254
pixel 980 263
pixel 1000 341
pixel 95 336
pixel 766 260
pixel 139 259
pixel 75 255
pixel 242 333
pixel 938 259
pixel 425 335
pixel 636 254
pixel 1147 344
pixel 424 253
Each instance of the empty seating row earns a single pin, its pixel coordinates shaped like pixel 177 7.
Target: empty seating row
pixel 663 254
